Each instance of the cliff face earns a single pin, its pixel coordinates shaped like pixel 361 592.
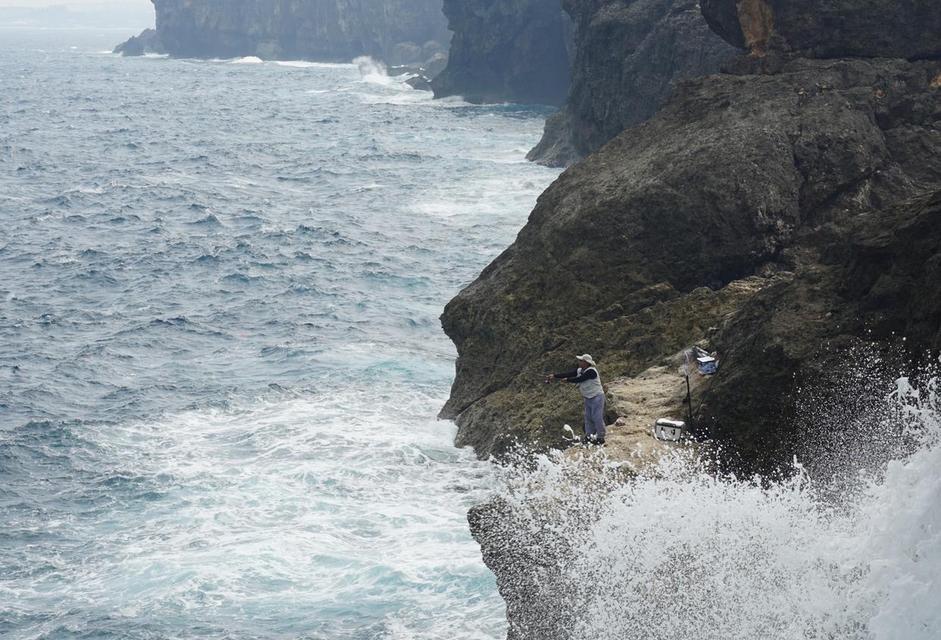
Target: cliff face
pixel 765 214
pixel 786 214
pixel 395 30
pixel 506 50
pixel 629 56
pixel 830 28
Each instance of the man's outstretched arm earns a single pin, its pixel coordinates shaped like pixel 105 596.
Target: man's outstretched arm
pixel 574 378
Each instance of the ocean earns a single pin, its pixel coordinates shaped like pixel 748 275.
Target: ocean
pixel 220 355
pixel 221 365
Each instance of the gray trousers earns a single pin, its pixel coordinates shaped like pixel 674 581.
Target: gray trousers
pixel 594 417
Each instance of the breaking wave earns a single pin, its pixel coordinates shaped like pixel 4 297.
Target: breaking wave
pixel 683 554
pixel 248 60
pixel 221 360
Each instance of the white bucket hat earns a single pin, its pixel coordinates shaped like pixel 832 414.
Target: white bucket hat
pixel 587 358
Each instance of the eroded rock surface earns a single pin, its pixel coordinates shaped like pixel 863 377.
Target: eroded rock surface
pixel 629 55
pixel 506 51
pixel 801 178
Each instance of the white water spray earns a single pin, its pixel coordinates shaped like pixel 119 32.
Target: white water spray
pixel 681 554
pixel 372 70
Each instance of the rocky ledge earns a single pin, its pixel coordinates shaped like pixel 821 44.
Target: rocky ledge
pixel 785 213
pixel 396 31
pixel 764 214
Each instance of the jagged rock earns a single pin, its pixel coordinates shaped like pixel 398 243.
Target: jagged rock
pixel 301 29
pixel 506 51
pixel 559 146
pixel 147 42
pixel 629 56
pixel 633 254
pixel 435 64
pixel 419 82
pixel 830 28
pixel 526 570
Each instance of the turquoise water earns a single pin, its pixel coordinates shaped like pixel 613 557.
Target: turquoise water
pixel 220 358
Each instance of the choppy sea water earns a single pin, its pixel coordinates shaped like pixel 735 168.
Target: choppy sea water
pixel 220 358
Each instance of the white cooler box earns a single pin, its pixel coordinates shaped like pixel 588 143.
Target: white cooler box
pixel 670 430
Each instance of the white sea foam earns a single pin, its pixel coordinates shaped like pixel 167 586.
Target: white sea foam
pixel 248 60
pixel 684 555
pixel 305 64
pixel 138 510
pixel 375 72
pixel 294 507
pixel 405 96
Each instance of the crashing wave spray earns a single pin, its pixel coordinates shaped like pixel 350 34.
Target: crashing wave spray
pixel 372 70
pixel 682 554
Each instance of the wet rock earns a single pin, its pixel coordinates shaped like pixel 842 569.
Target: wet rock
pixel 419 82
pixel 526 569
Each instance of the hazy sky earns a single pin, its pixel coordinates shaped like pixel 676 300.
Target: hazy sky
pixel 84 13
pixel 72 3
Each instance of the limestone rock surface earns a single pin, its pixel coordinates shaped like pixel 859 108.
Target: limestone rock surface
pixel 821 180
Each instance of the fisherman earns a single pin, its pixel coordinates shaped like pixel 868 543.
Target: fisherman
pixel 589 384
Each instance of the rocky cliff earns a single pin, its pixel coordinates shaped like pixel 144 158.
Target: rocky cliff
pixel 506 51
pixel 147 42
pixel 765 213
pixel 629 55
pixel 397 31
pixel 785 213
pixel 830 28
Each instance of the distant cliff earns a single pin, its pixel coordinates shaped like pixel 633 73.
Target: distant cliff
pixel 629 55
pixel 507 51
pixel 397 31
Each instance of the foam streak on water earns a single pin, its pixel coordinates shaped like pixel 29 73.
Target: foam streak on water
pixel 220 356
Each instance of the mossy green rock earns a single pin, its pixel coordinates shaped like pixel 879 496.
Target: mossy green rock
pixel 793 176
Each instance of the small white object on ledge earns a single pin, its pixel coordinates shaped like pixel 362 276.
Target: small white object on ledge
pixel 670 430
